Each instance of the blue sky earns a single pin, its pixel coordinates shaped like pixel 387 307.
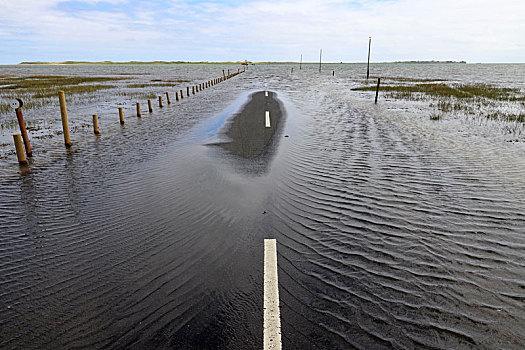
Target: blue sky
pixel 200 30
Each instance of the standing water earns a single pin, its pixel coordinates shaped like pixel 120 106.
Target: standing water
pixel 393 230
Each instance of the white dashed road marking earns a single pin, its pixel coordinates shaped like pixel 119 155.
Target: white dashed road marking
pixel 272 318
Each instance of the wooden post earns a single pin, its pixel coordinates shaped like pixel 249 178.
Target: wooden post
pixel 168 97
pixel 138 110
pixel 176 95
pixel 377 89
pixel 63 113
pixel 23 130
pixel 188 91
pixel 22 160
pixel 95 124
pixel 150 108
pixel 160 101
pixel 121 115
pixel 368 64
pixel 181 94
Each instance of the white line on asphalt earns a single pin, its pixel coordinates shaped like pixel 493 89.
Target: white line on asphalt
pixel 272 318
pixel 267 119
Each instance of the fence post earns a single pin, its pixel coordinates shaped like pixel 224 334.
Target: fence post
pixel 19 147
pixel 63 113
pixel 121 115
pixel 95 124
pixel 377 89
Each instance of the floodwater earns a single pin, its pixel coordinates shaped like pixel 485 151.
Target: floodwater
pixel 393 231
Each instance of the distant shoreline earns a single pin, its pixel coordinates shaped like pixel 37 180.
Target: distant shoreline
pixel 66 63
pixel 119 63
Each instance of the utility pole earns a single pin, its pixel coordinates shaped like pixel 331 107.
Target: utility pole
pixel 320 56
pixel 368 65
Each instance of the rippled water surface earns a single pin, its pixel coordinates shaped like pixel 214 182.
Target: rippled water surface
pixel 393 231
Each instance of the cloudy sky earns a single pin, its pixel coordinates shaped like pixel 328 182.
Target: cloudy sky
pixel 122 30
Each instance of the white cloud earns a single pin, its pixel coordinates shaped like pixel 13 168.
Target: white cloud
pixel 480 31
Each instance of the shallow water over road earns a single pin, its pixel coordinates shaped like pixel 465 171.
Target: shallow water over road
pixel 392 231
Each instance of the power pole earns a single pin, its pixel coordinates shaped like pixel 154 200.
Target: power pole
pixel 368 65
pixel 320 56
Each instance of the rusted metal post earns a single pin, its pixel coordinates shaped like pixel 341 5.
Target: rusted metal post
pixel 23 130
pixel 121 115
pixel 168 97
pixel 377 89
pixel 95 124
pixel 19 147
pixel 150 108
pixel 138 110
pixel 160 101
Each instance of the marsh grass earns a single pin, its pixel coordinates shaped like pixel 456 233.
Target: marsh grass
pixel 37 91
pixel 410 80
pixel 171 80
pixel 144 85
pixel 49 81
pixel 459 91
pixel 137 95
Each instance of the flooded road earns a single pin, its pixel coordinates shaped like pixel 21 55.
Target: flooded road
pixel 392 231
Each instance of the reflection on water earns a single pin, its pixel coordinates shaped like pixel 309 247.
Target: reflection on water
pixel 393 232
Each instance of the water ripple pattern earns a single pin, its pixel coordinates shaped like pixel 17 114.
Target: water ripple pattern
pixel 392 231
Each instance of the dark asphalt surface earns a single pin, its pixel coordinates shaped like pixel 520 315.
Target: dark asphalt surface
pixel 248 132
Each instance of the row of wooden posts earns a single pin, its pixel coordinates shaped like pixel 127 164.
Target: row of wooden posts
pixel 22 140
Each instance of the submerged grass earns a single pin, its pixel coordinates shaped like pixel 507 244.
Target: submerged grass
pixel 49 81
pixel 37 91
pixel 411 80
pixel 457 91
pixel 143 85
